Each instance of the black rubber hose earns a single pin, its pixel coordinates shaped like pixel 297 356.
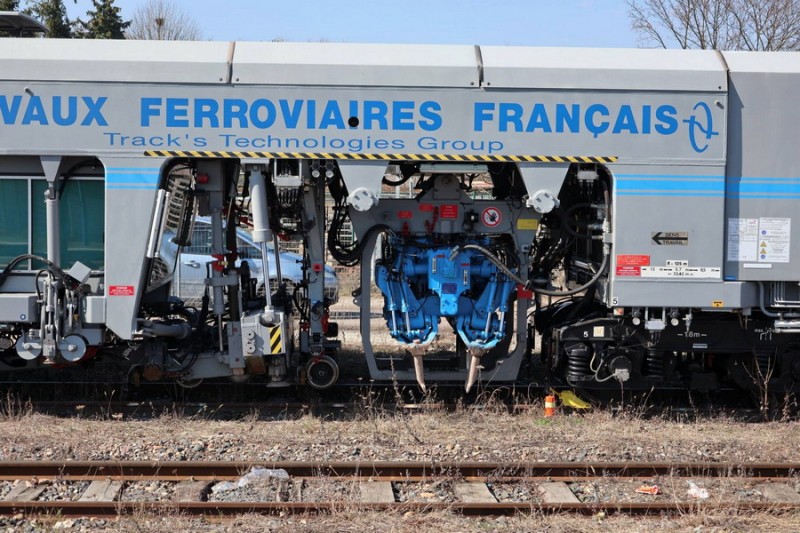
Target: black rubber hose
pixel 14 262
pixel 353 256
pixel 527 284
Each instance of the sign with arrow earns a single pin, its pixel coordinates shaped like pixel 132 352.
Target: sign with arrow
pixel 670 238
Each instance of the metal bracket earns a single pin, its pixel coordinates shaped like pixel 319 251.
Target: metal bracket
pixel 363 180
pixel 543 182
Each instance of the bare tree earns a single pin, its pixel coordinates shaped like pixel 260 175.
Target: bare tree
pixel 768 24
pixel 718 24
pixel 163 20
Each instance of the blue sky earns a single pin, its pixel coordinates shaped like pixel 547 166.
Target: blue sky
pixel 600 23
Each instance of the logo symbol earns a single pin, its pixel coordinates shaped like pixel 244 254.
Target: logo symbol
pixel 705 127
pixel 491 217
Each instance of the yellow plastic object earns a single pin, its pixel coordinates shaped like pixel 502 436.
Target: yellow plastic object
pixel 569 399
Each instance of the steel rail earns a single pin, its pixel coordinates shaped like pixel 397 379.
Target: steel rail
pixel 386 470
pixel 75 509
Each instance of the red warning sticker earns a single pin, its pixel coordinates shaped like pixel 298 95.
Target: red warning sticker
pixel 633 260
pixel 405 214
pixel 426 207
pixel 491 217
pixel 120 290
pixel 448 211
pixel 624 270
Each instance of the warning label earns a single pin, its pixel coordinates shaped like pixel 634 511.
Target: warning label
pixel 491 217
pixel 633 260
pixel 527 223
pixel 629 270
pixel 774 239
pixel 448 211
pixel 763 240
pixel 120 290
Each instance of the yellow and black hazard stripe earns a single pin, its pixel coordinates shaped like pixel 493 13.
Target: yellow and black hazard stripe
pixel 275 340
pixel 464 158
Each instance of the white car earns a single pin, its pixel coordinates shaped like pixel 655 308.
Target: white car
pixel 194 260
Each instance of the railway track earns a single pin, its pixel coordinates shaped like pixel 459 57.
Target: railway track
pixel 191 488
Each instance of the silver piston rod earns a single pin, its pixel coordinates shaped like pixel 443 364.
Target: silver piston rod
pixel 261 232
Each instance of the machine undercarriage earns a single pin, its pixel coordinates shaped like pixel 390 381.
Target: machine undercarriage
pixel 470 253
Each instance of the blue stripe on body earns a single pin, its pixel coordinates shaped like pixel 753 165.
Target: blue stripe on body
pixel 668 193
pixel 764 188
pixel 670 185
pixel 700 185
pixel 707 186
pixel 687 177
pixel 133 178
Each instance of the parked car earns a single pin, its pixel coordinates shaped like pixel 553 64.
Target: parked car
pixel 193 261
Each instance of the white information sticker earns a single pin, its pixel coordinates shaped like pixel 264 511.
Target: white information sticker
pixel 681 272
pixel 742 239
pixel 759 240
pixel 774 240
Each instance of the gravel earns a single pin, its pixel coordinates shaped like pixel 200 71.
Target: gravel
pixel 368 433
pixel 5 487
pixel 148 491
pixel 670 490
pixel 462 436
pixel 63 491
pixel 514 492
pixel 268 490
pixel 427 492
pixel 321 490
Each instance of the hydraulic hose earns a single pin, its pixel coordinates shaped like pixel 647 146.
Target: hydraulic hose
pixel 353 257
pixel 14 262
pixel 576 290
pixel 527 284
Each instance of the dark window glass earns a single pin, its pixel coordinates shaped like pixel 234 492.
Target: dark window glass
pixel 81 221
pixel 13 220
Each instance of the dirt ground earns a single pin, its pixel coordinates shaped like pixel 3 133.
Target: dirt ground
pixel 369 431
pixel 357 521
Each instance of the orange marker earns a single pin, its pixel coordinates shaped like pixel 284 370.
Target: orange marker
pixel 549 405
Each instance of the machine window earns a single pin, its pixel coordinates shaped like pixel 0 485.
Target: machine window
pixel 13 219
pixel 81 217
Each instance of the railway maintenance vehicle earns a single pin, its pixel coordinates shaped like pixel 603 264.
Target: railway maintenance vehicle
pixel 636 211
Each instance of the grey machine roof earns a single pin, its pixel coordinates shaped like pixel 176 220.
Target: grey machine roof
pixel 20 23
pixel 368 65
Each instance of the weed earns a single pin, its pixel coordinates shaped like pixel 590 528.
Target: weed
pixel 13 408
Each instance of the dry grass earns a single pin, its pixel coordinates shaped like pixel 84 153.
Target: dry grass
pixel 485 433
pixel 14 409
pixel 374 431
pixel 353 519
